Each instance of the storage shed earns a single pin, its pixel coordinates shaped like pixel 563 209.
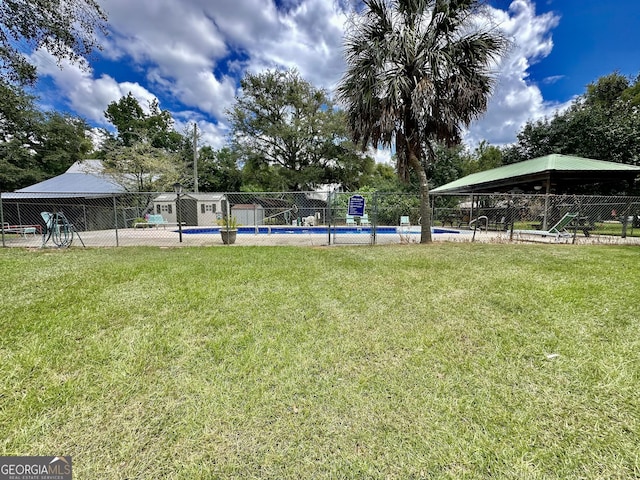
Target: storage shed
pixel 248 213
pixel 197 209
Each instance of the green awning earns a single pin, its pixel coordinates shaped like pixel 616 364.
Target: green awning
pixel 541 171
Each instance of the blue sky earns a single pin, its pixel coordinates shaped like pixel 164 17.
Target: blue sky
pixel 190 54
pixel 593 38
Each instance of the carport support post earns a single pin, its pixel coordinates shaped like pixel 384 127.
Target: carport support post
pixel 511 215
pixel 115 219
pixel 471 210
pixel 546 205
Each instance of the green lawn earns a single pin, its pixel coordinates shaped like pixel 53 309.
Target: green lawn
pixel 440 361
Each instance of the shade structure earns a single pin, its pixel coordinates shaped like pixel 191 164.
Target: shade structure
pixel 556 171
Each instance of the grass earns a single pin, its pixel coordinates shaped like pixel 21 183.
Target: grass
pixel 445 361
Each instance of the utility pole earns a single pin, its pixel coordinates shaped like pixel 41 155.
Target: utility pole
pixel 195 157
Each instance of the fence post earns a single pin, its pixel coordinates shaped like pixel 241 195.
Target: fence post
pixel 2 220
pixel 625 219
pixel 329 209
pixel 374 219
pixel 115 218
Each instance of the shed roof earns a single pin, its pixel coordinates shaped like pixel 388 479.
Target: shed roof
pixel 74 183
pixel 82 179
pixel 200 197
pixel 548 168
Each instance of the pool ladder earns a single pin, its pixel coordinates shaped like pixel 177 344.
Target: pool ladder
pixel 475 223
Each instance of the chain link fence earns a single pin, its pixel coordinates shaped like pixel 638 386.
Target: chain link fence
pixel 308 218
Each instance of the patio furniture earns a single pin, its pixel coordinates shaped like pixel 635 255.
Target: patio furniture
pixel 20 229
pixel 557 231
pixel 155 220
pixel 351 220
pixel 364 219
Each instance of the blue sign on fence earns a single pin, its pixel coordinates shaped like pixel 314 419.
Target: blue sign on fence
pixel 356 205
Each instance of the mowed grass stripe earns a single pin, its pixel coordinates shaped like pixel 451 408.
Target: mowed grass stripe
pixel 444 361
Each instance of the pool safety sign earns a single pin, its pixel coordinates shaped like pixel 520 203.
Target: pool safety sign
pixel 356 205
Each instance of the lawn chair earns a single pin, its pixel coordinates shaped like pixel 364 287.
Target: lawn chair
pixel 156 220
pixel 557 231
pixel 364 220
pixel 351 220
pixel 18 229
pixel 404 230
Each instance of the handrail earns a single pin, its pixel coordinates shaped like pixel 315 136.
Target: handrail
pixel 481 217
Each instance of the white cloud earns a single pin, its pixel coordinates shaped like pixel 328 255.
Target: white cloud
pixel 192 52
pixel 516 100
pixel 86 95
pixel 211 134
pixel 381 155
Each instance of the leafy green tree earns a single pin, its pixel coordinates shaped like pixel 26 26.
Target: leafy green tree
pixel 63 141
pixel 603 124
pixel 36 145
pixel 67 29
pixel 142 167
pixel 128 117
pixel 449 166
pixel 418 71
pixel 484 157
pixel 383 178
pixel 606 91
pixel 218 170
pixel 632 94
pixel 132 123
pixel 290 136
pixel 18 117
pixel 147 154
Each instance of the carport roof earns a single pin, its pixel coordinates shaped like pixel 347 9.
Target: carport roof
pixel 556 167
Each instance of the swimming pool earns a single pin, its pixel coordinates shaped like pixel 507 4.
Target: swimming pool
pixel 320 230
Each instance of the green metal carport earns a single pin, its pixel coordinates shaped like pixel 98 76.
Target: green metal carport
pixel 542 175
pixel 555 173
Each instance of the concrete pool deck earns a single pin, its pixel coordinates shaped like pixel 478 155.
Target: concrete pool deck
pixel 170 238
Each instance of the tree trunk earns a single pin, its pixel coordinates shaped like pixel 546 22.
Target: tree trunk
pixel 425 207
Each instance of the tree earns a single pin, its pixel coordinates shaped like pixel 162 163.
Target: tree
pixel 484 157
pixel 218 170
pixel 450 164
pixel 67 29
pixel 604 124
pixel 384 179
pixel 132 123
pixel 289 135
pixel 127 116
pixel 142 167
pixel 418 71
pixel 36 145
pixel 62 142
pixel 146 153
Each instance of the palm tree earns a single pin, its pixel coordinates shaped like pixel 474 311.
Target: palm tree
pixel 418 72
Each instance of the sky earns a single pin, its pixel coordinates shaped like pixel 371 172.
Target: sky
pixel 191 54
